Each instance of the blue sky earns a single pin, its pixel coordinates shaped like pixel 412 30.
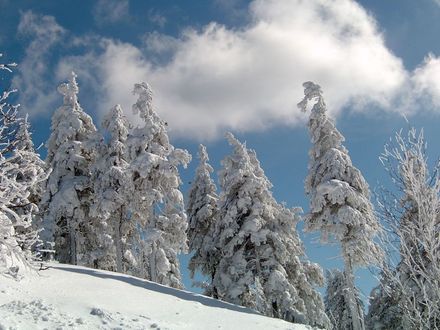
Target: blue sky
pixel 218 65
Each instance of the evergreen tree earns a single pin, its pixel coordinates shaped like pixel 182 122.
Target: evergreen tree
pixel 384 312
pixel 29 166
pixel 202 210
pixel 30 171
pixel 71 148
pixel 157 204
pixel 112 181
pixel 336 301
pixel 262 262
pixel 340 207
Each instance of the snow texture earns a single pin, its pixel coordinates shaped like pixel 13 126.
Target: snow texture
pixel 73 297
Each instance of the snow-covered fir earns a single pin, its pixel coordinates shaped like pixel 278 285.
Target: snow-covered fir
pixel 340 207
pixel 66 203
pixel 262 261
pixel 202 210
pixel 113 188
pixel 336 300
pixel 157 204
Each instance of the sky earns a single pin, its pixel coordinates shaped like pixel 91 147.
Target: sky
pixel 237 65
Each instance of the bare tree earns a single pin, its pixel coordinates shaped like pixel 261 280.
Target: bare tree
pixel 411 216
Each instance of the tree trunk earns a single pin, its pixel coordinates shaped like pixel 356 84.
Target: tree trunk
pixel 153 274
pixel 72 244
pixel 118 242
pixel 357 315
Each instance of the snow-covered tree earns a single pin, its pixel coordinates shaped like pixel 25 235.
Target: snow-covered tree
pixel 16 210
pixel 202 210
pixel 69 192
pixel 112 187
pixel 384 312
pixel 8 115
pixel 336 302
pixel 157 204
pixel 414 221
pixel 340 206
pixel 29 166
pixel 262 262
pixel 29 171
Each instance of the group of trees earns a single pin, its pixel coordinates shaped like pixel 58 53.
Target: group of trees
pixel 111 200
pixel 114 203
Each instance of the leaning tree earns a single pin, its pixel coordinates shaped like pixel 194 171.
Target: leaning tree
pixel 340 206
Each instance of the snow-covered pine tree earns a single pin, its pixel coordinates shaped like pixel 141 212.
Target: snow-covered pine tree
pixel 31 172
pixel 69 192
pixel 30 165
pixel 384 312
pixel 336 302
pixel 262 262
pixel 157 204
pixel 112 181
pixel 202 210
pixel 415 222
pixel 340 206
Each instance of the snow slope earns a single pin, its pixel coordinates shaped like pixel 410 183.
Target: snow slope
pixel 72 297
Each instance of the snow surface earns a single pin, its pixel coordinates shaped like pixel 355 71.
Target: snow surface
pixel 72 297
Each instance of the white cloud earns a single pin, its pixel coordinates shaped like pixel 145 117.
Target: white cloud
pixel 35 94
pixel 111 11
pixel 250 78
pixel 426 79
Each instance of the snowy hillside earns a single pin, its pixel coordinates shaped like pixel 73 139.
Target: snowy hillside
pixel 67 296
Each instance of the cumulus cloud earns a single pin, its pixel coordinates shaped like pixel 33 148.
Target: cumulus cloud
pixel 249 78
pixel 35 95
pixel 111 11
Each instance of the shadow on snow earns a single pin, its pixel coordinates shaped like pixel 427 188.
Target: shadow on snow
pixel 184 295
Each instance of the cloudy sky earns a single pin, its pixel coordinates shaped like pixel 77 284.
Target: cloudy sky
pixel 219 65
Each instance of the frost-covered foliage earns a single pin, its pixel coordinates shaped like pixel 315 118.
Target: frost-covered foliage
pixel 29 166
pixel 30 171
pixel 384 312
pixel 414 220
pixel 8 115
pixel 157 205
pixel 20 173
pixel 202 210
pixel 340 207
pixel 336 301
pixel 69 192
pixel 112 187
pixel 262 262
